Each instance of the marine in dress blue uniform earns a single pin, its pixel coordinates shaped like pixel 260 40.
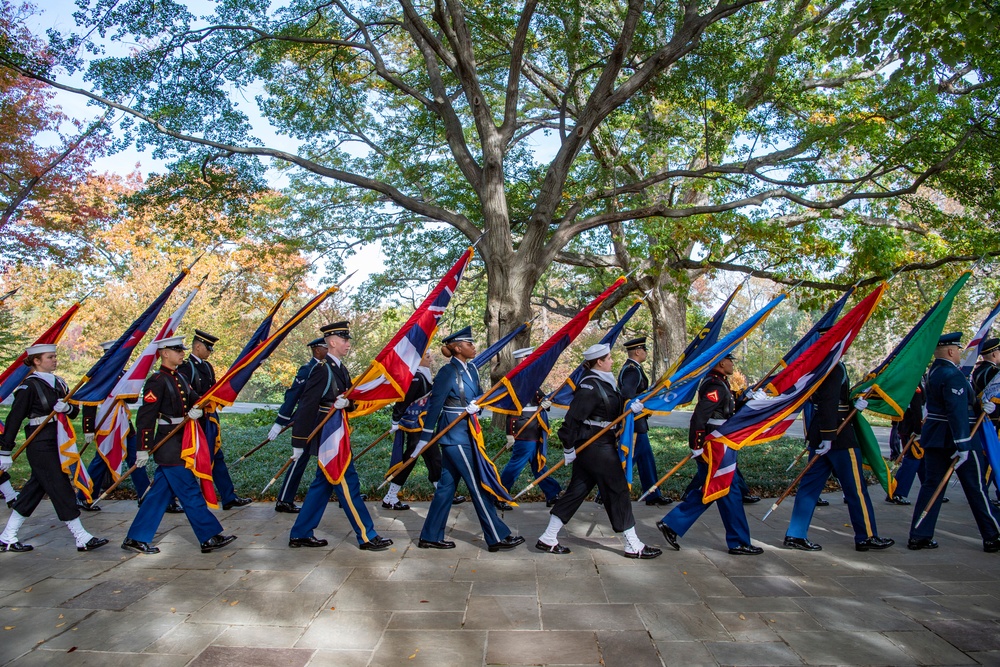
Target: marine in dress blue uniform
pixel 840 454
pixel 632 381
pixel 715 405
pixel 201 376
pixel 286 497
pixel 946 439
pixel 323 392
pixel 596 403
pixel 167 398
pixel 530 446
pixel 41 393
pixel 455 388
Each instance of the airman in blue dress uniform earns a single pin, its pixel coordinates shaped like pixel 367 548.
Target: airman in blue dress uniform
pixel 632 381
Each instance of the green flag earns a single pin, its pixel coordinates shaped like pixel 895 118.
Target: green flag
pixel 891 386
pixel 872 454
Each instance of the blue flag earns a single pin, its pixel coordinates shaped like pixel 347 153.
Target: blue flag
pixel 493 350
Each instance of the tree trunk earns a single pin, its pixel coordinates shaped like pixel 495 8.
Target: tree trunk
pixel 669 335
pixel 508 304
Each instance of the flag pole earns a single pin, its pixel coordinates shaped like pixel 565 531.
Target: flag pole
pixel 278 474
pixel 909 445
pixel 374 442
pixel 665 477
pixel 262 444
pixel 944 480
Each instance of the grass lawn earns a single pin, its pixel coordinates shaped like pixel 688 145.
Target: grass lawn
pixel 763 465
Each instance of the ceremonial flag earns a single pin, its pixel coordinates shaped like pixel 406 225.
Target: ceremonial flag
pixel 871 454
pixel 680 385
pixel 17 371
pixel 521 383
pixel 264 328
pixel 763 420
pixel 196 452
pixel 493 350
pixel 705 338
pixel 564 395
pixel 102 376
pixel 228 387
pixel 488 475
pixel 988 430
pixel 335 447
pixel 113 417
pixel 410 422
pixel 391 372
pixel 69 457
pixel 890 387
pixel 972 350
pixel 825 322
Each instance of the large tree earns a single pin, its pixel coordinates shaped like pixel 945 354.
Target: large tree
pixel 702 134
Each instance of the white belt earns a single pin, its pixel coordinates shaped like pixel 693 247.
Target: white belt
pixel 591 422
pixel 169 420
pixel 716 422
pixel 37 421
pixel 530 408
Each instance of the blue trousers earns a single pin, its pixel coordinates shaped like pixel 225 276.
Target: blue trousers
pixel 910 467
pixel 456 463
pixel 734 518
pixel 318 497
pixel 970 475
pixel 644 461
pixel 174 481
pixel 523 453
pixel 845 464
pixel 101 476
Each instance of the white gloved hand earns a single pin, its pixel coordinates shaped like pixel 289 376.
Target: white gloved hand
pixel 569 455
pixel 6 462
pixel 88 438
pixel 824 448
pixel 274 432
pixel 340 403
pixel 141 459
pixel 695 453
pixel 394 427
pixel 62 407
pixel 472 408
pixel 545 404
pixel 759 395
pixel 297 452
pixel 960 458
pixel 421 446
pixel 989 407
pixel 196 413
pixel 510 440
pixel 860 404
pixel 636 407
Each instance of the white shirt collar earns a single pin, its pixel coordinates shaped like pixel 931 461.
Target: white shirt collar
pixel 50 378
pixel 335 359
pixel 606 376
pixel 423 370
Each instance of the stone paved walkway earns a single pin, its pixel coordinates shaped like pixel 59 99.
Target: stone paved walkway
pixel 260 603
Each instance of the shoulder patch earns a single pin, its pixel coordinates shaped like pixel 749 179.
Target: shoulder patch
pixel 713 396
pixel 150 397
pixel 959 391
pixel 586 386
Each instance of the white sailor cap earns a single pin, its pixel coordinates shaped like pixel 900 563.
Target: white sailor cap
pixel 172 343
pixel 523 352
pixel 596 352
pixel 40 348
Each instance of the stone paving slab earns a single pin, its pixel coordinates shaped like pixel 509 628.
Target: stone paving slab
pixel 260 603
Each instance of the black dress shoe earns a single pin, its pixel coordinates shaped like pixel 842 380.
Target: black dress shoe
pixel 897 500
pixel 750 500
pixel 286 507
pixel 296 542
pixel 428 544
pixel 399 506
pixel 916 544
pixel 376 544
pixel 139 547
pixel 746 550
pixel 93 543
pixel 669 535
pixel 875 542
pixel 458 500
pixel 820 502
pixel 551 549
pixel 175 508
pixel 217 542
pixel 502 506
pixel 658 501
pixel 237 502
pixel 16 547
pixel 801 543
pixel 88 507
pixel 946 499
pixel 646 553
pixel 506 543
pixel 991 546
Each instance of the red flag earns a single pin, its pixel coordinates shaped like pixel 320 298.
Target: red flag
pixel 196 452
pixel 17 371
pixel 335 447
